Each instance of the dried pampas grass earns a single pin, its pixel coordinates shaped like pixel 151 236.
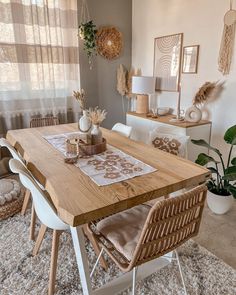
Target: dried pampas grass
pixel 121 80
pixel 204 93
pixel 80 97
pixel 97 116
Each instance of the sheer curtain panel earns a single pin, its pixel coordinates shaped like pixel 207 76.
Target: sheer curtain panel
pixel 39 60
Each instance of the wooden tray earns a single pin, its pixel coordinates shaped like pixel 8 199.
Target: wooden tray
pixel 80 148
pixel 89 150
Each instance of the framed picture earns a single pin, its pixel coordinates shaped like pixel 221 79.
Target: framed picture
pixel 190 59
pixel 167 61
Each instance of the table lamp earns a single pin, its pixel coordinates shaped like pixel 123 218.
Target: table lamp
pixel 143 86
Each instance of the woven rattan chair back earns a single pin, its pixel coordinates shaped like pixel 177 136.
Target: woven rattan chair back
pixel 169 224
pixel 45 121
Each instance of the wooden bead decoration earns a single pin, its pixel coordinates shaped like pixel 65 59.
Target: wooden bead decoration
pixel 109 42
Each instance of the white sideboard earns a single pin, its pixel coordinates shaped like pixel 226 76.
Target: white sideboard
pixel 142 124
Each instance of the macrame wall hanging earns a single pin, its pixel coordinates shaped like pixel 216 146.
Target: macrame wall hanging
pixel 227 42
pixel 87 32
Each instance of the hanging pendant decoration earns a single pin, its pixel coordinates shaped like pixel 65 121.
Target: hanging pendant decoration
pixel 87 32
pixel 227 42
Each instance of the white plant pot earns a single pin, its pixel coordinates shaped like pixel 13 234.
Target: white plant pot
pixel 219 204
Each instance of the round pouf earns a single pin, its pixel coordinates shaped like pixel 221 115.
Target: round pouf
pixel 11 197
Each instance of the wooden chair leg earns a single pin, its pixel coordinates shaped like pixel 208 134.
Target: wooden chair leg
pixel 32 223
pixel 53 265
pixel 26 202
pixel 39 239
pixel 96 247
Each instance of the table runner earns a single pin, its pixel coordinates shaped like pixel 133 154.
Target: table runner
pixel 106 168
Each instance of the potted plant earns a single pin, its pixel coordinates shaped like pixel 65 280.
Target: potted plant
pixel 222 185
pixel 87 32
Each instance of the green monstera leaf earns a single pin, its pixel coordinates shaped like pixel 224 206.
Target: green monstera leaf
pixel 230 135
pixel 233 162
pixel 202 142
pixel 204 159
pixel 230 173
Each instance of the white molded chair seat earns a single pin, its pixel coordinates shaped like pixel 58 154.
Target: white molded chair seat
pixel 44 209
pixel 122 129
pixel 123 229
pixel 46 214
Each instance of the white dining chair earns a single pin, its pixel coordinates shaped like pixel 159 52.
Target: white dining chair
pixel 17 156
pixel 46 214
pixel 141 234
pixel 122 129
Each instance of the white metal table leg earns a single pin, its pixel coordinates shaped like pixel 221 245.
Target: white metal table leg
pixel 82 260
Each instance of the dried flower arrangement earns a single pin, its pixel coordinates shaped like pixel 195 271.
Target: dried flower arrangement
pixel 124 82
pixel 80 97
pixel 96 115
pixel 204 93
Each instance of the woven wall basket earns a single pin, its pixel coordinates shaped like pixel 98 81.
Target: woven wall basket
pixel 109 42
pixel 13 206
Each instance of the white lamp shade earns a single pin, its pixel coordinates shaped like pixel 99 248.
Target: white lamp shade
pixel 143 85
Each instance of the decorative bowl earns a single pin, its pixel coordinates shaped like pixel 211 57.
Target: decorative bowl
pixel 163 111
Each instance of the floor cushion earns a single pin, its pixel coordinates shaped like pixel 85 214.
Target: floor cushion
pixel 11 197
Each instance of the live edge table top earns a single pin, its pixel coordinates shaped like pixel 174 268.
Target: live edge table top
pixel 77 198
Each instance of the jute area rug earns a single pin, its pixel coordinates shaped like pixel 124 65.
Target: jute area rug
pixel 21 273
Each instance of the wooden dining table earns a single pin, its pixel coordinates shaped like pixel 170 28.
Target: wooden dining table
pixel 78 200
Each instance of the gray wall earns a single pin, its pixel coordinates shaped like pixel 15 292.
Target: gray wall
pixel 100 82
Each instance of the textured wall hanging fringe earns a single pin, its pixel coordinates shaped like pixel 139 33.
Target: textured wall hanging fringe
pixel 227 42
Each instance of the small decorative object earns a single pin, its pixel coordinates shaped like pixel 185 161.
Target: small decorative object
pixel 109 42
pixel 143 86
pixel 222 186
pixel 97 116
pixel 227 42
pixel 194 114
pixel 163 111
pixel 87 32
pixel 190 59
pixel 11 197
pixel 85 122
pixel 167 60
pixel 178 117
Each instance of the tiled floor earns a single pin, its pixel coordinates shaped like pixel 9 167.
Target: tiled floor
pixel 218 234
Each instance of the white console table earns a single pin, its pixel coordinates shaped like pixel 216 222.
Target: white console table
pixel 142 125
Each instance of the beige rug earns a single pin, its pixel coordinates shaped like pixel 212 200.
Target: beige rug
pixel 21 273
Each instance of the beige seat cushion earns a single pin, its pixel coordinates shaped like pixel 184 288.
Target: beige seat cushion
pixel 123 229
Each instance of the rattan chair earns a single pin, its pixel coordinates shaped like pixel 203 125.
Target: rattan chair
pixel 44 121
pixel 167 225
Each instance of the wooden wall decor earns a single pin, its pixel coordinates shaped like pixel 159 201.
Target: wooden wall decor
pixel 109 42
pixel 190 59
pixel 167 61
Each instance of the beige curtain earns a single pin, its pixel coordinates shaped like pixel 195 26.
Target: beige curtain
pixel 39 62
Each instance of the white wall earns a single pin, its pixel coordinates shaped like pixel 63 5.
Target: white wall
pixel 201 22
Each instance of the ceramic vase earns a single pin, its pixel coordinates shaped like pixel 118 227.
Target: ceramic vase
pixel 96 134
pixel 84 122
pixel 193 114
pixel 219 204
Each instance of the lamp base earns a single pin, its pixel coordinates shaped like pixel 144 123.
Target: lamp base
pixel 142 105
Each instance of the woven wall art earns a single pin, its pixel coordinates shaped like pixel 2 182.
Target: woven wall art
pixel 109 42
